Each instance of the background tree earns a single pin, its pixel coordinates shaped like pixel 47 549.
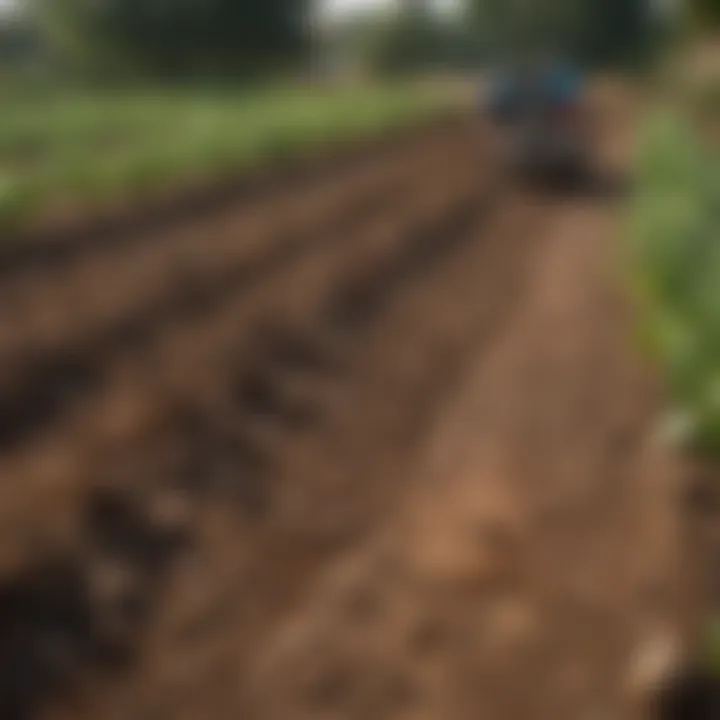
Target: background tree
pixel 176 38
pixel 406 40
pixel 417 37
pixel 707 12
pixel 598 31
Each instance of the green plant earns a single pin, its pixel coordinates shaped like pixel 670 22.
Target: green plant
pixel 84 149
pixel 675 259
pixel 711 647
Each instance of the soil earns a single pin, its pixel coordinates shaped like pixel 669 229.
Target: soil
pixel 373 445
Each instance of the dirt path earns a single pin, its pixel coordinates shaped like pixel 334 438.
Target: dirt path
pixel 395 462
pixel 527 570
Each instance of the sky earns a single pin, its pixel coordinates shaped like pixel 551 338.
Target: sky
pixel 338 8
pixel 342 7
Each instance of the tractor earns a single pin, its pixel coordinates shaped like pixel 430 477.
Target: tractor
pixel 544 121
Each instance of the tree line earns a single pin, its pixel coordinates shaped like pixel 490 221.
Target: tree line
pixel 594 32
pixel 174 38
pixel 216 38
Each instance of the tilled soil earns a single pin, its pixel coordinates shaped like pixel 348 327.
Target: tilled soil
pixel 371 445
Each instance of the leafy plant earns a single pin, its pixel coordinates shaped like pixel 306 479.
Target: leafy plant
pixel 675 256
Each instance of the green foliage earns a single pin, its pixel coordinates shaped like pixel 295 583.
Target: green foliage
pixel 411 39
pixel 675 256
pixel 177 39
pixel 707 11
pixel 710 98
pixel 710 656
pixel 405 41
pixel 516 28
pixel 615 31
pixel 596 31
pixel 85 149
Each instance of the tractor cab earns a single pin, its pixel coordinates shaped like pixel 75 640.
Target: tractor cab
pixel 543 115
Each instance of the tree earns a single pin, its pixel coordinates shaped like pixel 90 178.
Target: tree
pixel 407 41
pixel 407 38
pixel 707 12
pixel 594 30
pixel 177 38
pixel 615 30
pixel 19 41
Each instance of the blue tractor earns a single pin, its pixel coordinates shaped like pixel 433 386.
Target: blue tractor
pixel 543 115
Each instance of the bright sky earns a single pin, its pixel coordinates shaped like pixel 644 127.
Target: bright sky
pixel 338 8
pixel 9 5
pixel 342 7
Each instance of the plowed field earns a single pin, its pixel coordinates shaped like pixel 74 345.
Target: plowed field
pixel 370 443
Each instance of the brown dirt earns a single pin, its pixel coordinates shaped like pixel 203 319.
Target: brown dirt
pixel 372 447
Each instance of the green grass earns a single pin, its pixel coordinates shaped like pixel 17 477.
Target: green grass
pixel 710 98
pixel 710 656
pixel 83 149
pixel 675 261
